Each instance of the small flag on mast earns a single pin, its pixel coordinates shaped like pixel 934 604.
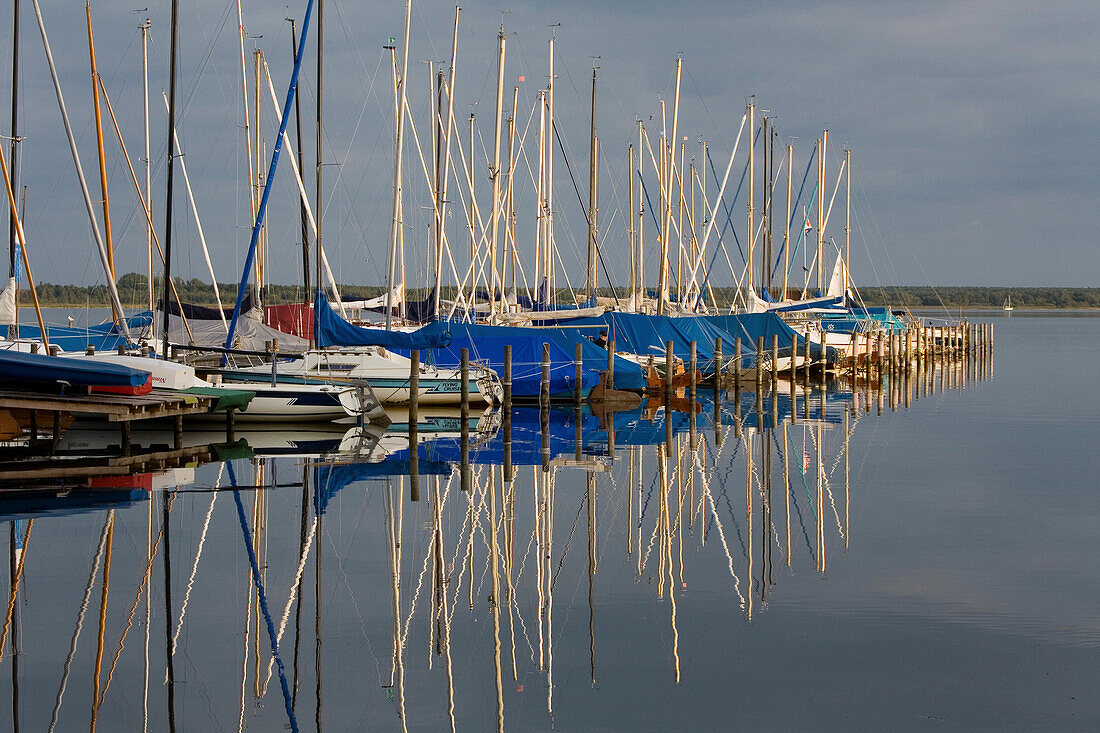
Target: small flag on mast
pixel 522 78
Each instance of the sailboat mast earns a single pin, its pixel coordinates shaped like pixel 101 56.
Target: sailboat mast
pixel 106 203
pixel 395 226
pixel 112 290
pixel 548 187
pixel 257 182
pixel 847 218
pixel 752 190
pixel 298 130
pixel 14 151
pixel 494 228
pixel 148 172
pixel 447 153
pixel 590 281
pixel 821 212
pixel 171 169
pixel 787 224
pixel 320 107
pixel 630 226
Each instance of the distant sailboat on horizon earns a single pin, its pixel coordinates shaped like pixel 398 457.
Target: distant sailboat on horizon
pixel 1008 303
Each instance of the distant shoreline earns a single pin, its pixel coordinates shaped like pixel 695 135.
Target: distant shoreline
pixel 132 288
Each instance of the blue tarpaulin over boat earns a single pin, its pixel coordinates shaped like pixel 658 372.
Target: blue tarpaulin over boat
pixel 486 344
pixel 330 329
pixel 749 327
pixel 103 336
pixel 645 335
pixel 16 367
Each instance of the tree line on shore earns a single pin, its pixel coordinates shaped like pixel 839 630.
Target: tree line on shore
pixel 132 292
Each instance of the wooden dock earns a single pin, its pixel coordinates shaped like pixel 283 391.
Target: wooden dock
pixel 110 407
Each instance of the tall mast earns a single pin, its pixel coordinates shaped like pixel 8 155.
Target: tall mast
pixel 257 182
pixel 148 171
pixel 640 213
pixel 253 198
pixel 470 214
pixel 447 152
pixel 14 150
pixel 847 218
pixel 787 223
pixel 171 169
pixel 549 185
pixel 630 226
pixel 395 226
pixel 752 189
pixel 116 306
pixel 106 203
pixel 590 281
pixel 510 210
pixel 298 128
pixel 821 212
pixel 436 97
pixel 668 152
pixel 494 227
pixel 317 207
pixel 540 194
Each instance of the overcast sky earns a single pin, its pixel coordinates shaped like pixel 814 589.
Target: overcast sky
pixel 973 126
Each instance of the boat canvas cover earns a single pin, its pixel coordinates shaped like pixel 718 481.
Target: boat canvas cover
pixel 486 344
pixel 332 330
pixel 645 335
pixel 19 367
pixel 749 327
pixel 104 336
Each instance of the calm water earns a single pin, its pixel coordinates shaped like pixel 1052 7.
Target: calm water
pixel 949 582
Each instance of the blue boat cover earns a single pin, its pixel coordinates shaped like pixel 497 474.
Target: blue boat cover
pixel 16 367
pixel 331 330
pixel 104 336
pixel 645 335
pixel 486 344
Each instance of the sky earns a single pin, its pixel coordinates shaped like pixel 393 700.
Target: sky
pixel 972 126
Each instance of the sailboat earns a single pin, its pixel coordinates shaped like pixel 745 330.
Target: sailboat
pixel 1008 303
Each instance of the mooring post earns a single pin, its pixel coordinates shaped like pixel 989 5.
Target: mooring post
pixel 717 366
pixel 775 363
pixel 414 418
pixel 125 437
pixel 578 375
pixel 177 432
pixel 737 364
pixel 670 372
pixel 230 425
pixel 464 406
pixel 273 354
pixel 464 377
pixel 611 364
pixel 693 365
pixel 544 384
pixel 759 371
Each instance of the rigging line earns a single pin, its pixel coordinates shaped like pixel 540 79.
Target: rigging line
pixel 195 567
pixel 580 200
pixel 133 609
pixel 79 624
pixel 263 606
pixel 15 587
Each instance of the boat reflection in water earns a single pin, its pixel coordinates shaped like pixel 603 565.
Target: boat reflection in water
pixel 437 579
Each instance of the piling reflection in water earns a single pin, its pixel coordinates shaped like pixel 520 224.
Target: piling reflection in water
pixel 453 609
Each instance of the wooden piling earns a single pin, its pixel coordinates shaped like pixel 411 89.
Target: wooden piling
pixel 544 386
pixel 611 365
pixel 717 366
pixel 414 417
pixel 464 424
pixel 693 365
pixel 578 375
pixel 775 363
pixel 737 364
